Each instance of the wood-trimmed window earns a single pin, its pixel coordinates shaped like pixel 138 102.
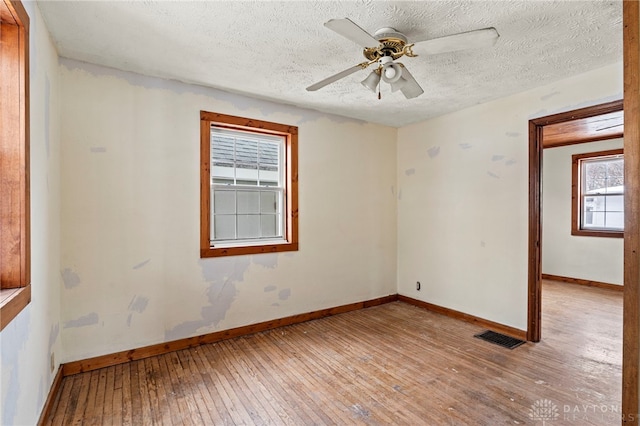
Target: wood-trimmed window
pixel 248 186
pixel 598 194
pixel 15 291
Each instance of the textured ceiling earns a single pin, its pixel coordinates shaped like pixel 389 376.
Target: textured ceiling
pixel 274 50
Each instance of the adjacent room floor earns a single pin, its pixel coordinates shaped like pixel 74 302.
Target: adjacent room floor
pixel 391 364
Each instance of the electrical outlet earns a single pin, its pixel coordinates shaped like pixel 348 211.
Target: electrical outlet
pixel 418 285
pixel 53 361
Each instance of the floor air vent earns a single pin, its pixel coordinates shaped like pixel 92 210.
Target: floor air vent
pixel 500 339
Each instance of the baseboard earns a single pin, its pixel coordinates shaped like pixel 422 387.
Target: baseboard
pixel 51 398
pixel 500 328
pixel 589 283
pixel 102 361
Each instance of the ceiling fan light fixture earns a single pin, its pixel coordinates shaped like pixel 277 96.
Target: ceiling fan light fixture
pixel 391 73
pixel 372 80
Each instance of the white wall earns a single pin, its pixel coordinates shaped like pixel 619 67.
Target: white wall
pixel 463 200
pixel 588 258
pixel 27 342
pixel 130 215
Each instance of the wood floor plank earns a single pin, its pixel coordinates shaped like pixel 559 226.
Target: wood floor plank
pixel 157 393
pixel 127 401
pixel 115 412
pixel 390 364
pixel 62 402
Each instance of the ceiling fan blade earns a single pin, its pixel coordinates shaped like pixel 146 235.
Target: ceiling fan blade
pixel 338 76
pixel 408 86
pixel 486 37
pixel 349 29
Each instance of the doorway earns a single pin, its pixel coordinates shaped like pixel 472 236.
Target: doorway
pixel 590 124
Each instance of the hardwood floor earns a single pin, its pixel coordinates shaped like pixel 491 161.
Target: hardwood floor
pixel 390 364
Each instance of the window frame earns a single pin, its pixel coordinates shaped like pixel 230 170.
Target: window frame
pixel 15 232
pixel 576 196
pixel 290 165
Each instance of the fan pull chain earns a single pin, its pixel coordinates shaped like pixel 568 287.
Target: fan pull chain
pixel 379 94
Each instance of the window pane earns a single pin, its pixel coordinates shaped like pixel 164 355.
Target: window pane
pixel 248 202
pixel 268 202
pixel 246 153
pixel 269 223
pixel 598 221
pixel 248 226
pixel 615 203
pixel 615 220
pixel 224 201
pixel 224 227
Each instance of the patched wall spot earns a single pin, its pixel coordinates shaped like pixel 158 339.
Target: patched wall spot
pixel 284 294
pixel 83 321
pixel 269 288
pixel 69 278
pixel 267 260
pixel 98 149
pixel 510 162
pixel 512 134
pixel 493 175
pixel 410 172
pixel 497 157
pixel 433 151
pixel 465 145
pixel 141 264
pixel 482 244
pixel 138 304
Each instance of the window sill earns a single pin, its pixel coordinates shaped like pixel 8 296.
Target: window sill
pixel 248 249
pixel 12 301
pixel 594 233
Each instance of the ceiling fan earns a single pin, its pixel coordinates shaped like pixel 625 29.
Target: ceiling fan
pixel 387 45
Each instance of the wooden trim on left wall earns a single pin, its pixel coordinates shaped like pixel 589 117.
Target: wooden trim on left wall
pixel 102 361
pixel 51 398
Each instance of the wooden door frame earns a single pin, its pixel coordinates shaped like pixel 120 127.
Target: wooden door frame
pixel 630 410
pixel 536 148
pixel 631 313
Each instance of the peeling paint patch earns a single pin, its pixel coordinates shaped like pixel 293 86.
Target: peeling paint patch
pixel 267 260
pixel 275 304
pixel 70 278
pixel 550 95
pixel 512 134
pixel 433 151
pixel 141 264
pixel 138 304
pixel 86 320
pixel 493 175
pixel 393 190
pixel 221 274
pixel 400 195
pixel 410 172
pixel 482 244
pixel 129 317
pixel 14 338
pixel 53 335
pixel 510 162
pixel 465 145
pixel 284 294
pixel 270 288
pixel 497 157
pixel 98 149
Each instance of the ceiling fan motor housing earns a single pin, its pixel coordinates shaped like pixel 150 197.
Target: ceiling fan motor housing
pixel 392 44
